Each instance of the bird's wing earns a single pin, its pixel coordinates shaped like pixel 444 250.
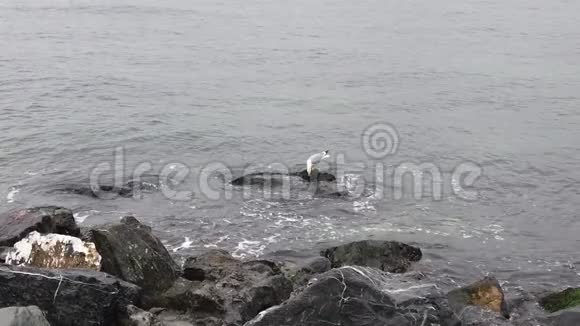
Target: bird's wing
pixel 308 166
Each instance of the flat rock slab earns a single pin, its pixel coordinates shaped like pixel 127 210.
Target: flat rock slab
pixel 54 251
pixel 68 297
pixel 17 224
pixel 22 316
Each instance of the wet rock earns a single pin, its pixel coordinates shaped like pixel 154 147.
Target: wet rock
pixel 301 272
pixel 68 297
pixel 131 252
pixel 279 178
pixel 3 253
pixel 17 224
pixel 212 265
pixel 22 316
pixel 562 300
pixel 261 179
pixel 320 176
pixel 54 251
pixel 222 290
pixel 388 256
pixel 138 317
pixel 486 293
pixel 566 317
pixel 345 296
pixel 131 188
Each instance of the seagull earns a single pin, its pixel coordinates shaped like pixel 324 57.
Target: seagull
pixel 315 159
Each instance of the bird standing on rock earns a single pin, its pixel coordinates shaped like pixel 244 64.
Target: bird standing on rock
pixel 313 160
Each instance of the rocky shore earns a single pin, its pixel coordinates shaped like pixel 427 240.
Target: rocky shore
pixel 53 272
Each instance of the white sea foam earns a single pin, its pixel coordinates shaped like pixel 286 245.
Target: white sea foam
pixel 184 245
pixel 248 247
pixel 11 194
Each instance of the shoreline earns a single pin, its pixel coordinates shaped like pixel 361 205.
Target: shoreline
pixel 49 262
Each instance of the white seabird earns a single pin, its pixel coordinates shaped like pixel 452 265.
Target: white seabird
pixel 313 160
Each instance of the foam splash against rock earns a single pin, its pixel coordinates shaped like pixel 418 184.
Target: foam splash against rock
pixel 54 251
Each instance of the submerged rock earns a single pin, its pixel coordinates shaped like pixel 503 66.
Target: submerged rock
pixel 222 290
pixel 320 175
pixel 68 297
pixel 131 188
pixel 388 256
pixel 54 251
pixel 486 293
pixel 22 316
pixel 277 178
pixel 345 296
pixel 261 179
pixel 562 300
pixel 17 224
pixel 131 252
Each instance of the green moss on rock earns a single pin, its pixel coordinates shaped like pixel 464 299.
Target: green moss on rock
pixel 561 300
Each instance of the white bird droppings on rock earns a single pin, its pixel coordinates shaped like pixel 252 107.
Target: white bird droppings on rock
pixel 54 251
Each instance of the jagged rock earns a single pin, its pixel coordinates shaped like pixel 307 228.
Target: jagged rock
pixel 222 290
pixel 131 252
pixel 486 293
pixel 302 271
pixel 345 296
pixel 389 256
pixel 22 316
pixel 562 300
pixel 54 251
pixel 17 224
pixel 68 297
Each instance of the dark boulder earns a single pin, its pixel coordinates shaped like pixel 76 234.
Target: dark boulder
pixel 260 179
pixel 566 317
pixel 22 316
pixel 131 188
pixel 68 297
pixel 212 265
pixel 131 252
pixel 277 178
pixel 4 253
pixel 347 296
pixel 300 272
pixel 389 256
pixel 222 290
pixel 17 224
pixel 561 300
pixel 319 175
pixel 486 293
